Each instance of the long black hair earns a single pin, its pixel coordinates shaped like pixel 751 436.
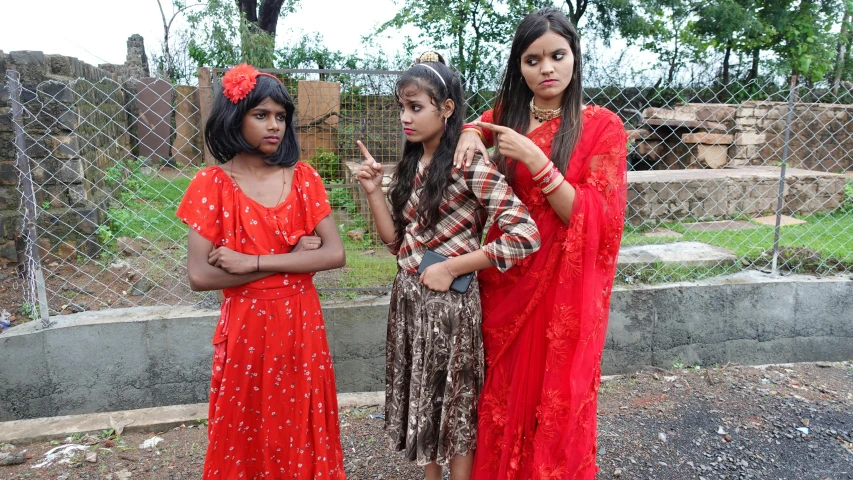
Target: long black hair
pixel 438 172
pixel 513 99
pixel 223 132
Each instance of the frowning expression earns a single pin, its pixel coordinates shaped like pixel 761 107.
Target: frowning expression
pixel 264 126
pixel 547 66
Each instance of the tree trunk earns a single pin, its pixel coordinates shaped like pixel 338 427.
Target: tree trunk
pixel 726 63
pixel 265 17
pixel 839 59
pixel 576 11
pixel 753 71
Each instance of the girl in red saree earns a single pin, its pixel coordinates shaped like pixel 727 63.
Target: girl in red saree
pixel 545 319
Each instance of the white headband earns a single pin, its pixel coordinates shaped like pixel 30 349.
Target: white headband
pixel 434 71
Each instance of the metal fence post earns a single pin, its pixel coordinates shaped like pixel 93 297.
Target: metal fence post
pixel 33 257
pixel 785 148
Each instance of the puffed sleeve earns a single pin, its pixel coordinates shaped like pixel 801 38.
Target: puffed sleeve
pixel 201 208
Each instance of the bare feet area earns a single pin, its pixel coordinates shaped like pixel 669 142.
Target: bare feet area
pixel 781 422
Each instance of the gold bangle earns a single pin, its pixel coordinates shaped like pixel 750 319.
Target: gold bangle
pixel 474 129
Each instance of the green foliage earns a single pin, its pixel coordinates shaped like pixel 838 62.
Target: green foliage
pixel 846 206
pixel 327 164
pixel 29 311
pixel 225 32
pixel 476 33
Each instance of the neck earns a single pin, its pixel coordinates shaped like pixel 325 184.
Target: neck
pixel 430 147
pixel 550 104
pixel 252 163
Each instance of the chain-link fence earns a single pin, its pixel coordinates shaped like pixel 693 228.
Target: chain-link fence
pixel 93 171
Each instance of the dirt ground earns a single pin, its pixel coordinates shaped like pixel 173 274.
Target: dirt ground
pixel 791 422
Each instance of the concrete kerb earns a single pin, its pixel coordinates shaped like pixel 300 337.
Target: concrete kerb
pixel 157 419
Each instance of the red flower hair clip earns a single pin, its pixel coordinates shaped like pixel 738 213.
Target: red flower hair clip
pixel 240 80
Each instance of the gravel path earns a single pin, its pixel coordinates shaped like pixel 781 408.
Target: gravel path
pixel 791 422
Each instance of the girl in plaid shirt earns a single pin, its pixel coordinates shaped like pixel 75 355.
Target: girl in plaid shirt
pixel 434 354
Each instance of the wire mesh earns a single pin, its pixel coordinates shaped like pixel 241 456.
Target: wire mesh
pixel 110 161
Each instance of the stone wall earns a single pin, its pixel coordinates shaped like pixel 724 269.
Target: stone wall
pixel 72 134
pixel 752 133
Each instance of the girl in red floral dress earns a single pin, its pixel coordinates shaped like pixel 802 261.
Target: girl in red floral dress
pixel 273 406
pixel 545 319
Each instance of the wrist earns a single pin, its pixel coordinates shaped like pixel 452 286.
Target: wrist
pixel 538 164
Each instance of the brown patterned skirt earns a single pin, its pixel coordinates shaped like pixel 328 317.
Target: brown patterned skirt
pixel 434 370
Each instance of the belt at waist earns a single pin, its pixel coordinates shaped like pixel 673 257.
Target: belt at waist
pixel 269 293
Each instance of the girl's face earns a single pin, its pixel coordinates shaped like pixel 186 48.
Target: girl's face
pixel 264 126
pixel 547 67
pixel 422 121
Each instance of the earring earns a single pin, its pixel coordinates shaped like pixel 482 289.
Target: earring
pixel 445 124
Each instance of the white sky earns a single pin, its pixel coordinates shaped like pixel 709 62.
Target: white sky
pixel 96 31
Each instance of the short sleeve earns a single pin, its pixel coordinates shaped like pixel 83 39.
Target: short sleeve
pixel 314 197
pixel 201 206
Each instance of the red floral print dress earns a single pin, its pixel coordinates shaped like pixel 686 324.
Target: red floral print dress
pixel 545 319
pixel 273 405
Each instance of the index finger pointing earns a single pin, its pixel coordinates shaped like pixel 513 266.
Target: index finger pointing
pixel 493 127
pixel 364 151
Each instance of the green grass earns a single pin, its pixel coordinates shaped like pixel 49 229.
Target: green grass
pixel 149 212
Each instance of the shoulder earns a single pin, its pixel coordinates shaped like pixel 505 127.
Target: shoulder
pixel 595 115
pixel 480 169
pixel 209 176
pixel 306 172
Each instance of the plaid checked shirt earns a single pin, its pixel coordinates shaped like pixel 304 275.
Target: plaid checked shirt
pixel 475 195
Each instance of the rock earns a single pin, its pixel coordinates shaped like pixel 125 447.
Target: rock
pixel 617 473
pixel 357 234
pixel 662 437
pixel 92 457
pixel 12 458
pixel 122 475
pixel 129 247
pixel 141 286
pixel 66 250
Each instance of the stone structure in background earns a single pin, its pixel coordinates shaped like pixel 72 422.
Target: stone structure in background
pixel 75 129
pixel 135 64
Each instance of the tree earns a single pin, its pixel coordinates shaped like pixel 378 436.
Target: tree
pixel 475 32
pixel 226 32
pixel 169 67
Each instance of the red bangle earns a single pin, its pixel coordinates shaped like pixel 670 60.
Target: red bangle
pixel 549 192
pixel 549 177
pixel 539 173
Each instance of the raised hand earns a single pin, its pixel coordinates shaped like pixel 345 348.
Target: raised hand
pixel 469 144
pixel 516 146
pixel 370 173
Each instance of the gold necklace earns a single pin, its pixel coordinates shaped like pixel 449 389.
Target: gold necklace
pixel 544 114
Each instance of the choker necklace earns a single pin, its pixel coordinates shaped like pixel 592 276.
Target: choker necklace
pixel 544 114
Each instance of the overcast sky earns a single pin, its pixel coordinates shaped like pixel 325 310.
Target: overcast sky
pixel 96 31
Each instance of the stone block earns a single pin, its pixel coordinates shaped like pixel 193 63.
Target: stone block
pixel 750 138
pixel 668 114
pixel 59 65
pixel 707 138
pixel 715 113
pixel 77 195
pixel 56 91
pixel 71 171
pixel 11 222
pixel 30 64
pixel 8 174
pixel 65 146
pixel 711 156
pixel 6 123
pixel 747 121
pixel 8 251
pixel 10 199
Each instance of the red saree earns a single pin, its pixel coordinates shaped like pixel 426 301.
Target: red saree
pixel 544 320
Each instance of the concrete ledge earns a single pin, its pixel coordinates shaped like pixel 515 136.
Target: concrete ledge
pixel 141 420
pixel 149 357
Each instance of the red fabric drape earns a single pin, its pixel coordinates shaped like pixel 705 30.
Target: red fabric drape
pixel 544 320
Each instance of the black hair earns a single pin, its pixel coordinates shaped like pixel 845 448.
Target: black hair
pixel 438 172
pixel 223 132
pixel 513 98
